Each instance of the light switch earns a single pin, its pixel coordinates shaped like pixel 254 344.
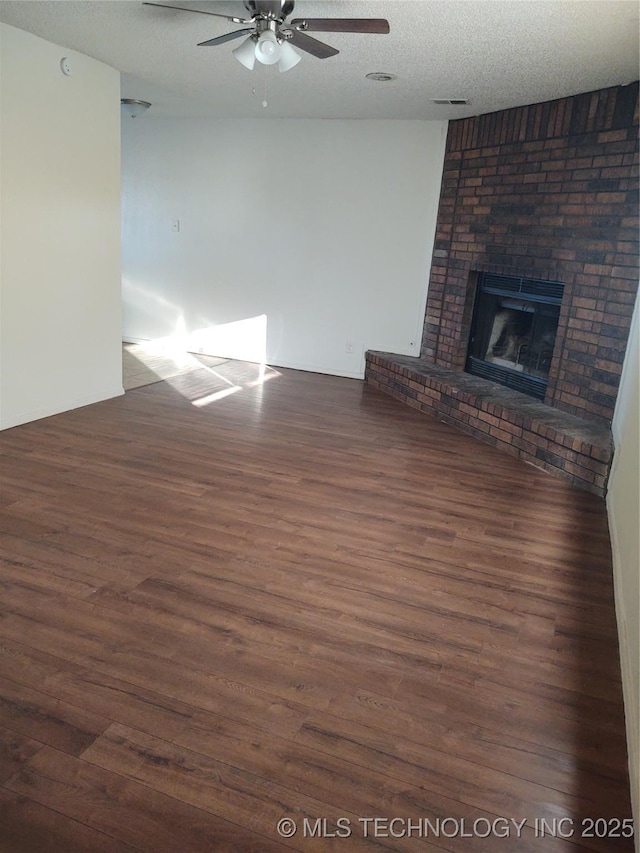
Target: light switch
pixel 175 225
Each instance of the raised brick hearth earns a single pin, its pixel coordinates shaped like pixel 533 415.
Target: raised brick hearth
pixel 556 441
pixel 548 191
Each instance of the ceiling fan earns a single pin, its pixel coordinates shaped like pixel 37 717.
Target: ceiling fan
pixel 269 38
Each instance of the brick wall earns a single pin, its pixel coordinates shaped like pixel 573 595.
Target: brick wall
pixel 545 191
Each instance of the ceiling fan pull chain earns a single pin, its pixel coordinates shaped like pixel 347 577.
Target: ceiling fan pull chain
pixel 265 103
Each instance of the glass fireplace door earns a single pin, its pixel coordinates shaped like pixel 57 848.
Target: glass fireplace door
pixel 513 332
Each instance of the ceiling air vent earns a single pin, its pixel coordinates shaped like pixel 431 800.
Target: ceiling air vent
pixel 380 76
pixel 455 102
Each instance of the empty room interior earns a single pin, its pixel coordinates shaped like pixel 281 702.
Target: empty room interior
pixel 319 426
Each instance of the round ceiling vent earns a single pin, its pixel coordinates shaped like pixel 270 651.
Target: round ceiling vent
pixel 380 76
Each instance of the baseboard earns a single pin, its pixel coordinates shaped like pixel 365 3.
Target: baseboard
pixel 291 365
pixel 65 406
pixel 630 701
pixel 314 368
pixel 129 340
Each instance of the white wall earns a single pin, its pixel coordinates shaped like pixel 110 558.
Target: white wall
pixel 623 504
pixel 60 239
pixel 320 230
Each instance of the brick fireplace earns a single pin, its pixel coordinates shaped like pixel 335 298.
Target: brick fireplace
pixel 544 192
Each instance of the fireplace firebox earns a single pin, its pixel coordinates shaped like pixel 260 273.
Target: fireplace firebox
pixel 513 331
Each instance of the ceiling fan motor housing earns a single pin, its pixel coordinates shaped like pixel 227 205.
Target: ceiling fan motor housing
pixel 275 9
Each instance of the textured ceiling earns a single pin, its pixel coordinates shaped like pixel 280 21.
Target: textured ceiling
pixel 496 53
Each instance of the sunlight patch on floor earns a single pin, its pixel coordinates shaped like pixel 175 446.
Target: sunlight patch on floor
pixel 154 361
pixel 263 374
pixel 201 379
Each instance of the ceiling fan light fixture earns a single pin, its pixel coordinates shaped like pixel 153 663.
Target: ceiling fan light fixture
pixel 268 51
pixel 288 57
pixel 246 53
pixel 271 34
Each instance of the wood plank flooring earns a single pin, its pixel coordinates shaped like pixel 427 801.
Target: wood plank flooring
pixel 247 594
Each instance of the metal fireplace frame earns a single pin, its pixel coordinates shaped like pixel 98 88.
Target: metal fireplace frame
pixel 544 299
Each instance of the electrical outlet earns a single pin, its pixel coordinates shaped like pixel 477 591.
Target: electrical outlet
pixel 348 347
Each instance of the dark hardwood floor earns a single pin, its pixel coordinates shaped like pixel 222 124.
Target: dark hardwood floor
pixel 233 598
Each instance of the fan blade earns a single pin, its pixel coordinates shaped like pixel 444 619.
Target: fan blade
pixel 236 34
pixel 199 11
pixel 311 45
pixel 341 25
